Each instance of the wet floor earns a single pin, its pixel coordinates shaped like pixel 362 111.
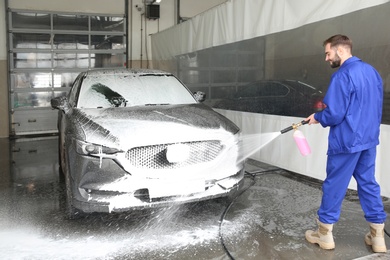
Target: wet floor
pixel 266 219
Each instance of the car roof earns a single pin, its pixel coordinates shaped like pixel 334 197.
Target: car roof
pixel 125 71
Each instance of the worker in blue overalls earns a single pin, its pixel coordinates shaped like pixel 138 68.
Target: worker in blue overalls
pixel 353 112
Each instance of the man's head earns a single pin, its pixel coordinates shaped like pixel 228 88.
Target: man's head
pixel 338 49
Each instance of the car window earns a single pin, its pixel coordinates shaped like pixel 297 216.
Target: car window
pixel 302 87
pixel 251 90
pixel 274 89
pixel 120 90
pixel 263 89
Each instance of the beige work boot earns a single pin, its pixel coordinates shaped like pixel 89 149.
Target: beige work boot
pixel 376 238
pixel 323 236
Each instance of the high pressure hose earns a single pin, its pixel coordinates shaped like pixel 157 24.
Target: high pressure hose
pixel 224 215
pixel 231 203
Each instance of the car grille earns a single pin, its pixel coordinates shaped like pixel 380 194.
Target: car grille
pixel 153 156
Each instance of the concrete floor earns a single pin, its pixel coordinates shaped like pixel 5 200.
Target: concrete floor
pixel 266 221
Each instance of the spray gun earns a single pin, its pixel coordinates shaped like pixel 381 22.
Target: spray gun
pixel 299 138
pixel 294 126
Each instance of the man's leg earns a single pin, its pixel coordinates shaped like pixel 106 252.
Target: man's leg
pixel 339 170
pixel 368 189
pixel 371 200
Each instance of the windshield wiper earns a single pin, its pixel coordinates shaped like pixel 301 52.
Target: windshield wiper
pixel 163 104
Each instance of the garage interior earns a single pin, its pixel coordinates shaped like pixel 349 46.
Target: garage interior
pixel 212 46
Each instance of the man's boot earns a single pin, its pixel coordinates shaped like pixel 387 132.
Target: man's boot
pixel 323 236
pixel 376 238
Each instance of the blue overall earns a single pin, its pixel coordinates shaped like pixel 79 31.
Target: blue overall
pixel 353 113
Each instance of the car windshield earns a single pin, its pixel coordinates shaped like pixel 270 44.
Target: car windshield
pixel 124 90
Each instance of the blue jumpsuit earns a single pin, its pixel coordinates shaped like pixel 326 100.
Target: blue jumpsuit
pixel 353 113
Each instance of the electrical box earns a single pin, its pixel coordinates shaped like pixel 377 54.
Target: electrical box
pixel 153 11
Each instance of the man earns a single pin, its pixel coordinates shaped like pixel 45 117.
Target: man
pixel 353 113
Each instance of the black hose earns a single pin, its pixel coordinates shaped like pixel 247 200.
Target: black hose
pixel 223 217
pixel 387 233
pixel 230 204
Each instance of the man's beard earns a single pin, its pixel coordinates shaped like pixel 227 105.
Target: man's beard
pixel 336 62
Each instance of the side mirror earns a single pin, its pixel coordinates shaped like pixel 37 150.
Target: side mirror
pixel 60 103
pixel 200 96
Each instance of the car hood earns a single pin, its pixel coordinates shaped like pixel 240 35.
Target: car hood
pixel 135 126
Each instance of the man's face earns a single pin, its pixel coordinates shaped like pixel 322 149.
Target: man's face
pixel 331 56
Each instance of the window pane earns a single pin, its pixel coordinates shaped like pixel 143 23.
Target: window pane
pixel 71 42
pixel 70 22
pixel 32 99
pixel 71 60
pixel 31 41
pixel 108 42
pixel 107 23
pixel 108 60
pixel 65 79
pixel 32 60
pixel 36 80
pixel 31 20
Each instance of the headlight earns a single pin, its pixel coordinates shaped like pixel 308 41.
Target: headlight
pixel 95 149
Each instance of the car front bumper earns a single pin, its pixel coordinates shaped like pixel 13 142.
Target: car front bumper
pixel 125 201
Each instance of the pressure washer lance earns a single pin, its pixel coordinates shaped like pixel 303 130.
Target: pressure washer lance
pixel 299 138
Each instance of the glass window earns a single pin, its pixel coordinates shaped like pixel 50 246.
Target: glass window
pixel 35 80
pixel 107 23
pixel 66 79
pixel 31 41
pixel 108 42
pixel 32 60
pixel 71 41
pixel 73 22
pixel 108 60
pixel 32 99
pixel 31 20
pixel 71 60
pixel 48 51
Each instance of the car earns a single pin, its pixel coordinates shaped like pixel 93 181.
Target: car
pixel 276 97
pixel 137 138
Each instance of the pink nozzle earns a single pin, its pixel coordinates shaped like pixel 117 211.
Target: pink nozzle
pixel 301 142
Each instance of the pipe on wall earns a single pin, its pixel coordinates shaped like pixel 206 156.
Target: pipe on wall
pixel 129 28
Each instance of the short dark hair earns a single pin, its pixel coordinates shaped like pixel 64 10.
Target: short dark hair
pixel 337 40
